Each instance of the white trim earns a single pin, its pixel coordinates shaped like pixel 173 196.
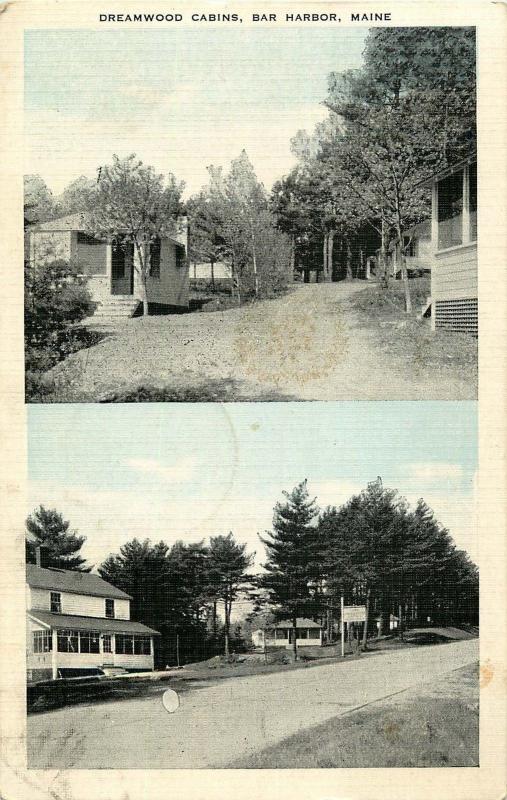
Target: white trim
pixel 38 621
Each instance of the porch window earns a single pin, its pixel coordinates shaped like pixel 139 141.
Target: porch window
pixel 155 248
pixel 89 642
pixel 142 645
pixel 124 644
pixel 107 643
pixel 68 641
pixel 56 603
pixel 42 641
pixel 302 633
pixel 450 211
pixel 109 608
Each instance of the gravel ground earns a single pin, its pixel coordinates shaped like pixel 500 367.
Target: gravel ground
pixel 306 345
pixel 229 720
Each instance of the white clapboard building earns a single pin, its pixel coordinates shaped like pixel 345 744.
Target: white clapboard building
pixel 77 622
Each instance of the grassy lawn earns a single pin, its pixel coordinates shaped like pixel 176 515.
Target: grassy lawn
pixel 402 335
pixel 431 726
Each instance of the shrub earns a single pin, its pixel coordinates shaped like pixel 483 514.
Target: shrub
pixel 56 299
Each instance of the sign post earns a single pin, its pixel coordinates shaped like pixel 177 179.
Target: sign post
pixel 350 614
pixel 342 626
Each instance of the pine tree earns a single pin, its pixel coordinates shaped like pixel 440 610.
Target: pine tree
pixel 228 562
pixel 290 549
pixel 51 530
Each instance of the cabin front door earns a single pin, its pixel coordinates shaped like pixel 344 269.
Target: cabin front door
pixel 122 269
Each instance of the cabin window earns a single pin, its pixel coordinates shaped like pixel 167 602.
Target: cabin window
pixel 180 256
pixel 89 642
pixel 155 248
pixel 109 608
pixel 107 644
pixel 472 199
pixel 302 633
pixel 124 644
pixel 142 645
pixel 450 211
pixel 56 603
pixel 68 641
pixel 42 641
pixel 85 238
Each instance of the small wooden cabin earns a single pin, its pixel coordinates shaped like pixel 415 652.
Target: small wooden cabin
pixel 454 244
pixel 112 267
pixel 308 634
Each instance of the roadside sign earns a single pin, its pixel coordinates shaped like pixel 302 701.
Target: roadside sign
pixel 354 614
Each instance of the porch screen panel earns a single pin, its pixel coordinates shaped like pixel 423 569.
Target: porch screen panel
pixel 68 641
pixel 473 201
pixel 89 642
pixel 450 211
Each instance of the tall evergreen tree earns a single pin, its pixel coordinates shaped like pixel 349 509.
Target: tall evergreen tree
pixel 228 563
pixel 62 545
pixel 290 550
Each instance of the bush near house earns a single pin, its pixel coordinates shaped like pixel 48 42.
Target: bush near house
pixel 56 299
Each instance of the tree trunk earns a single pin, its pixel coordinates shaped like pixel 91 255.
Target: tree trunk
pixel 226 628
pixel 329 622
pixel 292 266
pixel 365 632
pixel 143 273
pixel 294 638
pixel 404 273
pixel 212 265
pixel 384 272
pixel 330 255
pixel 324 257
pixel 214 621
pixel 254 261
pixel 349 259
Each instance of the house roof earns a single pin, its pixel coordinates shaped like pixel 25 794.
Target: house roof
pixel 70 222
pixel 66 580
pixel 444 173
pixel 78 222
pixel 301 622
pixel 76 623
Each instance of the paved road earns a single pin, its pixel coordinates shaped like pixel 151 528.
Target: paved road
pixel 306 345
pixel 236 717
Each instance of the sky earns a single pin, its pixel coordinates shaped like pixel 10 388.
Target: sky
pixel 181 99
pixel 178 471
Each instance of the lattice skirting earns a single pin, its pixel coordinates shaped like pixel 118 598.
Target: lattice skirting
pixel 457 315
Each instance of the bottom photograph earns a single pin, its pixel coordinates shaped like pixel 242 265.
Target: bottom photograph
pixel 247 586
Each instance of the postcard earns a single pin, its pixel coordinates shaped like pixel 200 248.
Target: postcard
pixel 253 400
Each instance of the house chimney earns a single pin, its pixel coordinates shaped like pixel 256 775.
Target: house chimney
pixel 41 558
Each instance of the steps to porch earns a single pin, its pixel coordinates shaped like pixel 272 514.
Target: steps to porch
pixel 115 307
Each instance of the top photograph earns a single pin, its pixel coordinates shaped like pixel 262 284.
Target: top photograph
pixel 250 214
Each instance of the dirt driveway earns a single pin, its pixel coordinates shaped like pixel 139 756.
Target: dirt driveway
pixel 307 345
pixel 219 723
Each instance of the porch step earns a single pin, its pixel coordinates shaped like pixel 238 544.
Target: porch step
pixel 117 307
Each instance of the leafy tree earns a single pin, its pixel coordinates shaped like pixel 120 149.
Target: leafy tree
pixel 39 203
pixel 49 529
pixel 79 195
pixel 289 546
pixel 228 565
pixel 206 241
pixel 238 222
pixel 133 205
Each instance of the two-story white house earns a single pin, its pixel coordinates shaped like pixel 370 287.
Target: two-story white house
pixel 76 622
